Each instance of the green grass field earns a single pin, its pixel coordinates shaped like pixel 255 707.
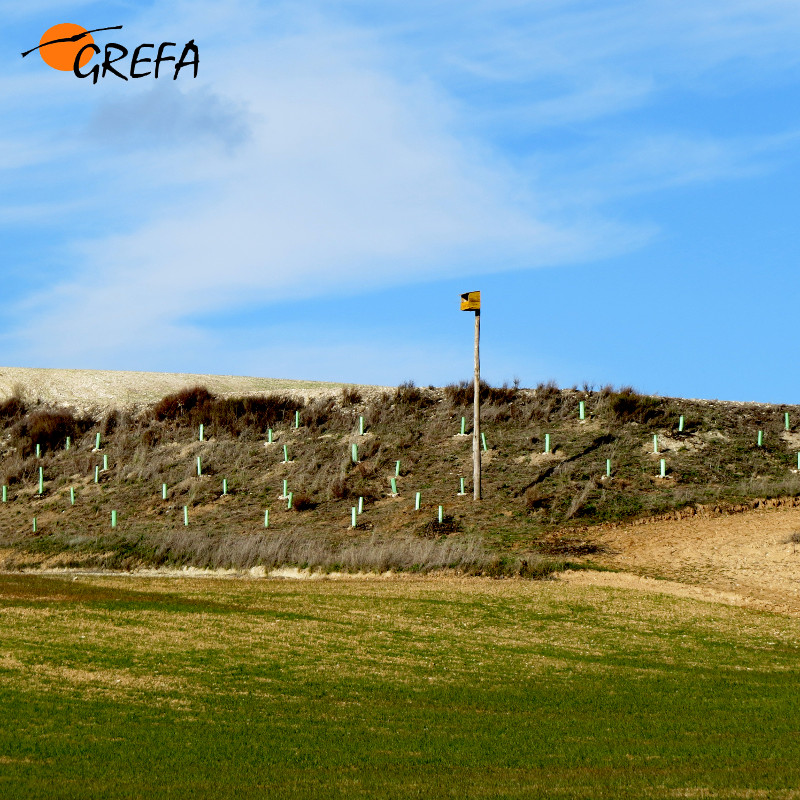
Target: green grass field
pixel 121 687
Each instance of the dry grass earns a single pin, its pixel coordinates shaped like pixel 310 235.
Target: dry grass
pixel 528 494
pixel 374 553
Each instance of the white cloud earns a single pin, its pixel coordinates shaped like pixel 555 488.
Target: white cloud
pixel 349 180
pixel 619 168
pixel 317 155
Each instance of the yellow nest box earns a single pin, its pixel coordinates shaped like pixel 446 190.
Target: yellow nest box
pixel 471 301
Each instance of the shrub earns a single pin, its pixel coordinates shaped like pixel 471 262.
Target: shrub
pixel 16 469
pixel 232 414
pixel 463 393
pixel 49 428
pixel 350 396
pixel 149 438
pixel 627 405
pixel 533 567
pixel 499 395
pixel 339 488
pixel 236 414
pixel 110 423
pixel 460 394
pixel 13 408
pixel 409 396
pixel 369 448
pixel 539 568
pixel 303 502
pixel 179 404
pixel 546 400
pixel 547 390
pixel 566 546
pixel 352 486
pixel 318 413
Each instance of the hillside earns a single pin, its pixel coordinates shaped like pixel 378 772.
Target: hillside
pixel 540 509
pixel 96 391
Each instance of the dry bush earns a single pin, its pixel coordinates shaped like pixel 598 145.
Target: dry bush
pixel 180 404
pixel 338 488
pixel 319 413
pixel 139 463
pixel 48 428
pixel 150 438
pixel 128 437
pixel 17 469
pixel 498 413
pixel 409 554
pixel 381 410
pixel 350 396
pixel 250 414
pixel 353 486
pixel 498 395
pixel 409 397
pixel 155 464
pixel 627 405
pixel 547 389
pixel 368 448
pixel 463 393
pixel 234 415
pixel 303 502
pixel 111 422
pixel 200 491
pixel 318 464
pixel 14 407
pixel 548 401
pixel 570 546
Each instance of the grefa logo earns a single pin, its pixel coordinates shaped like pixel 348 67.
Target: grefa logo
pixel 69 47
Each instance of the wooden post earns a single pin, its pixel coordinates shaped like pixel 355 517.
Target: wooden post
pixel 476 424
pixel 471 301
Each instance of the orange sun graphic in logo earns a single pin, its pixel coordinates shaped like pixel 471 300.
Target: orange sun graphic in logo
pixel 60 45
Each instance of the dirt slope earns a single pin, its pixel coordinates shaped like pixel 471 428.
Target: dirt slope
pixel 743 559
pixel 88 389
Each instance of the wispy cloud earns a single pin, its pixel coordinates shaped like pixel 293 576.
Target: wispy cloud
pixel 342 147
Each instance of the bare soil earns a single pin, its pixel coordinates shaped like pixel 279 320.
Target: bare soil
pixel 742 559
pixel 90 390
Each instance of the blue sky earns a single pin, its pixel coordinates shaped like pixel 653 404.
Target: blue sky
pixel 619 179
